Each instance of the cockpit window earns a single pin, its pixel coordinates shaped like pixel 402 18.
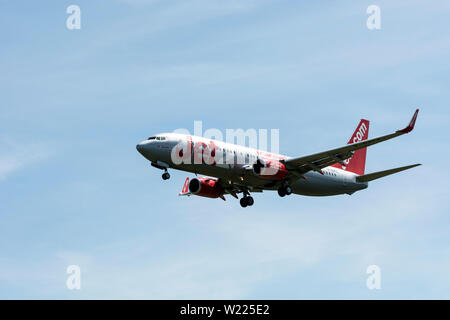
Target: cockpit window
pixel 156 138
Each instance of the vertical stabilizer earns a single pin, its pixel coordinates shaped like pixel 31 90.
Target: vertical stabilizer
pixel 357 163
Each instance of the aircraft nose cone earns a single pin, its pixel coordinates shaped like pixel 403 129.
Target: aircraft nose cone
pixel 140 147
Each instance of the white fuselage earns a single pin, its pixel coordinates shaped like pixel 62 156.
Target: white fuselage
pixel 233 162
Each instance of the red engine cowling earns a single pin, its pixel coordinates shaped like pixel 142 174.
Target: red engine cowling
pixel 205 187
pixel 270 169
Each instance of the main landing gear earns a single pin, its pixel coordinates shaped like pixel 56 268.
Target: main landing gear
pixel 246 201
pixel 284 190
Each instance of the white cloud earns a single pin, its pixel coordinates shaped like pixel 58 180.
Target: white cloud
pixel 15 155
pixel 231 254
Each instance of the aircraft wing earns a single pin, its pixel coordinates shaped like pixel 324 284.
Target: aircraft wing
pixel 324 159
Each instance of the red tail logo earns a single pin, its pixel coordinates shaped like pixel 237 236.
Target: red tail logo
pixel 357 163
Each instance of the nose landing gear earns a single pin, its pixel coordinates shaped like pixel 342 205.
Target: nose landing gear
pixel 165 175
pixel 162 166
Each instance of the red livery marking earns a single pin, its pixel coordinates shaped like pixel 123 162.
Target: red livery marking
pixel 357 163
pixel 185 186
pixel 206 187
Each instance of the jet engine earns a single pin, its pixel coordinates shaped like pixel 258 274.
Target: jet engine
pixel 270 169
pixel 205 187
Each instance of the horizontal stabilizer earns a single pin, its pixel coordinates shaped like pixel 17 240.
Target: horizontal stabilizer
pixel 381 174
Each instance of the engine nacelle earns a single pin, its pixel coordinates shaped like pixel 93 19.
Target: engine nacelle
pixel 205 187
pixel 270 169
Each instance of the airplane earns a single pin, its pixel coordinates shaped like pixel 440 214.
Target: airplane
pixel 233 169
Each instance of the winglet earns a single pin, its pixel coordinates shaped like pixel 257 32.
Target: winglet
pixel 185 190
pixel 411 124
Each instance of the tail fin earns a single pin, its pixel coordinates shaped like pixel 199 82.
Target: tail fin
pixel 357 162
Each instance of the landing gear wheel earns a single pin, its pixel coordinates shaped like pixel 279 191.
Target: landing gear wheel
pixel 243 202
pixel 165 175
pixel 249 201
pixel 281 192
pixel 287 190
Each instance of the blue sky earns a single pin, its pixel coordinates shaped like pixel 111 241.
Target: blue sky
pixel 74 190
